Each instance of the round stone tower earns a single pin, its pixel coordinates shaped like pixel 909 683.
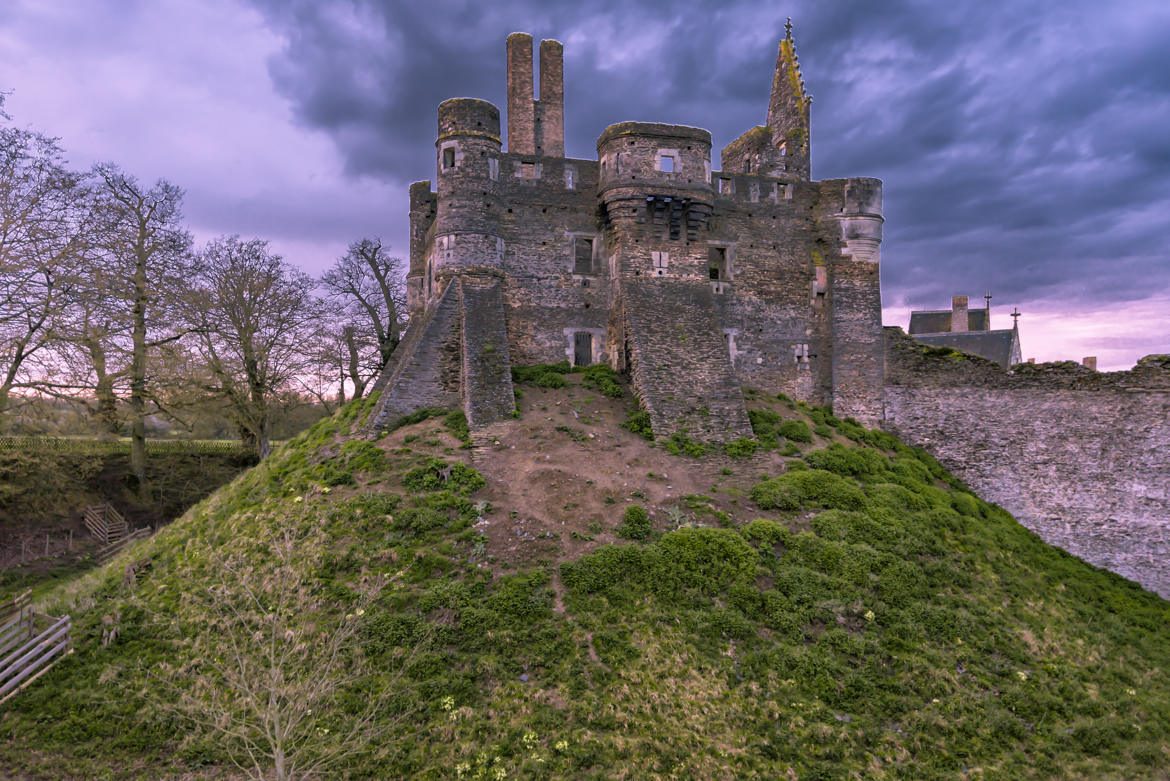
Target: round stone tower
pixel 467 163
pixel 656 191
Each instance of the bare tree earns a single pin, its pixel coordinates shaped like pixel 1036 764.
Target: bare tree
pixel 255 316
pixel 370 287
pixel 274 669
pixel 143 250
pixel 41 231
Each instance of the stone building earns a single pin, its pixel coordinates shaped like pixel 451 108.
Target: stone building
pixel 693 281
pixel 969 330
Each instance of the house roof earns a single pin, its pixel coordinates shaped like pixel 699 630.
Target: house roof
pixel 993 345
pixel 937 321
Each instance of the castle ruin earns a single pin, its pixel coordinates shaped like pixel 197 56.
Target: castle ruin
pixel 694 282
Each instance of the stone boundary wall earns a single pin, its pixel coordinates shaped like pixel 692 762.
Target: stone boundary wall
pixel 1082 458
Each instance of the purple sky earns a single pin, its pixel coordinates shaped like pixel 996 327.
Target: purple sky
pixel 1024 145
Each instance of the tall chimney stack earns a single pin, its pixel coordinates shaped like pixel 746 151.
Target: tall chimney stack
pixel 959 314
pixel 1090 362
pixel 550 109
pixel 521 110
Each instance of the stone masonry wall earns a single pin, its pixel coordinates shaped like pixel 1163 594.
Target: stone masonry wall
pixel 1080 457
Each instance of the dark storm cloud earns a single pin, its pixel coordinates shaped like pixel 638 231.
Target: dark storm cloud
pixel 1024 146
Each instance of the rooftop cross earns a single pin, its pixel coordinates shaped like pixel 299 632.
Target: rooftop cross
pixel 788 28
pixel 1015 317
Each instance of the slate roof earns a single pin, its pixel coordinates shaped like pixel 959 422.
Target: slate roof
pixel 1001 346
pixel 937 321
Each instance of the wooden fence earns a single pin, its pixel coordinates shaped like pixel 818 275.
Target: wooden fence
pixel 114 548
pixel 105 522
pixel 101 446
pixel 30 644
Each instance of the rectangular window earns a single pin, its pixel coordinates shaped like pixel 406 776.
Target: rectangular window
pixel 528 170
pixel 717 263
pixel 583 256
pixel 449 157
pixel 726 186
pixel 494 168
pixel 661 260
pixel 667 164
pixel 570 177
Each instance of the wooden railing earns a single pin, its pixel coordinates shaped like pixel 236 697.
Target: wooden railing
pixel 29 645
pixel 105 523
pixel 13 608
pixel 102 555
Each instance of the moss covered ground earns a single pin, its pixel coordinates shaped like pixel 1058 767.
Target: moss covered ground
pixel 856 614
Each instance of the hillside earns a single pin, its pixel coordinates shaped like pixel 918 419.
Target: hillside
pixel 562 597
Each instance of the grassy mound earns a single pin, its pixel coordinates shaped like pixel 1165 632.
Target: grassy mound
pixel 856 613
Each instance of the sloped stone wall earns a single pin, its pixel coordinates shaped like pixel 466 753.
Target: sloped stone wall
pixel 1080 457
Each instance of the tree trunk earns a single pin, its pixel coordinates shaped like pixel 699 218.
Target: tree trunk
pixel 359 382
pixel 138 376
pixel 107 402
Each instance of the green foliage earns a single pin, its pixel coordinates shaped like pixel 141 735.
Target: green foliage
pixel 438 474
pixel 741 448
pixel 417 416
pixel 604 379
pixel 544 375
pixel 808 488
pixel 795 430
pixel 456 423
pixel 911 621
pixel 639 423
pixel 635 523
pixel 851 461
pixel 680 444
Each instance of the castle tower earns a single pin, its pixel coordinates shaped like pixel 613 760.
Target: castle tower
pixel 657 200
pixel 788 111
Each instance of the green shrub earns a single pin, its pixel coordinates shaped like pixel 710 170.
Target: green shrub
pixel 681 444
pixel 604 379
pixel 811 487
pixel 438 474
pixel 363 456
pixel 639 423
pixel 895 497
pixel 544 375
pixel 456 423
pixel 853 461
pixel 635 524
pixel 417 417
pixel 766 531
pixel 766 425
pixel 795 430
pixel 705 559
pixel 741 448
pixel 965 504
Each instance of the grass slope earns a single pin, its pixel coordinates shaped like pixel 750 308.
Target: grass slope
pixel 845 610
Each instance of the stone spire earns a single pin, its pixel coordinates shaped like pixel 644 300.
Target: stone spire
pixel 788 109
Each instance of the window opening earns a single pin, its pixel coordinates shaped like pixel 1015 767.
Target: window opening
pixel 493 168
pixel 583 256
pixel 449 157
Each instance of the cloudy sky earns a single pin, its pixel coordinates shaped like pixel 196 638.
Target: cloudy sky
pixel 1024 144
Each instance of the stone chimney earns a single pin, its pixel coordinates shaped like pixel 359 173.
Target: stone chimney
pixel 1090 362
pixel 1031 360
pixel 958 314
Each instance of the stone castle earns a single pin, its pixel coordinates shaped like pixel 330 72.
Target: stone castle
pixel 694 282
pixel 697 282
